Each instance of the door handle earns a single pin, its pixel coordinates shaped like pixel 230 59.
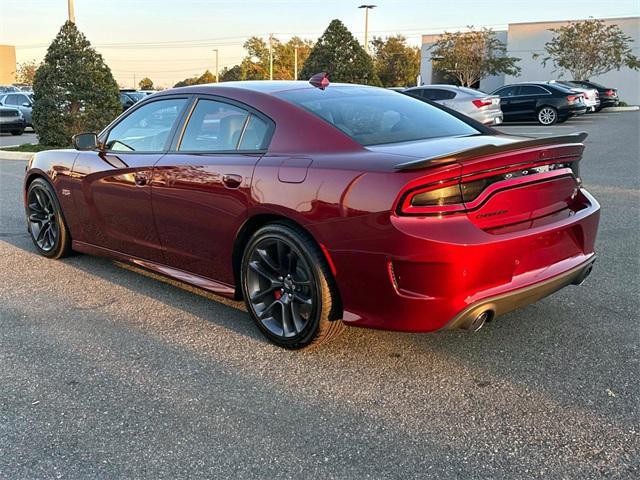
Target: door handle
pixel 231 180
pixel 141 179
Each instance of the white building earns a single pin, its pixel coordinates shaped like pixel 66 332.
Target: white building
pixel 525 39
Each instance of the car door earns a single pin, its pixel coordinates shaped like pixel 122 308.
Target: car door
pixel 526 101
pixel 507 95
pixel 114 197
pixel 202 188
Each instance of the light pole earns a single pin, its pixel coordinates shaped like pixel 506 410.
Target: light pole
pixel 72 16
pixel 366 25
pixel 217 77
pixel 271 56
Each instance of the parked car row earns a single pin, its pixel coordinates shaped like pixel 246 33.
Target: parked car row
pixel 545 102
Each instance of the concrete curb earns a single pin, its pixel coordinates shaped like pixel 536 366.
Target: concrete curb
pixel 632 108
pixel 4 155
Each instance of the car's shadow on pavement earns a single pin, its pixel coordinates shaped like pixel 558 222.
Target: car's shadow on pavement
pixel 525 349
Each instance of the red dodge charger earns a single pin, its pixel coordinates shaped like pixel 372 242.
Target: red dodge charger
pixel 322 205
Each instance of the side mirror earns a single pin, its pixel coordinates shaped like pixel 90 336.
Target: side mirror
pixel 26 104
pixel 85 141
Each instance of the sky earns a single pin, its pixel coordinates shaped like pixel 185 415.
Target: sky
pixel 169 40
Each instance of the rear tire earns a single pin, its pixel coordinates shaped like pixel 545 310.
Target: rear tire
pixel 46 224
pixel 547 116
pixel 288 288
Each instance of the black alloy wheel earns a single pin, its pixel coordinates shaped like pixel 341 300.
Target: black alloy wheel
pixel 288 287
pixel 45 221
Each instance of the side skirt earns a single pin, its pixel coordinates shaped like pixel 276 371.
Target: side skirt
pixel 218 288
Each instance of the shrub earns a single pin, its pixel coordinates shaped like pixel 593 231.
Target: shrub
pixel 74 90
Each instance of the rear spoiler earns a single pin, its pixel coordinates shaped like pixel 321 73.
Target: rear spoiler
pixel 486 150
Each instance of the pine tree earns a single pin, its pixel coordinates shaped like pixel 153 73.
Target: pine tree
pixel 74 90
pixel 339 54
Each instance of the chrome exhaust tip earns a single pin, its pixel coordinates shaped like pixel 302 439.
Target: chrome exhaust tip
pixel 478 322
pixel 583 275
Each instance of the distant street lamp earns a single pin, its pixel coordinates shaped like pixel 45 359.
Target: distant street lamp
pixel 217 77
pixel 366 25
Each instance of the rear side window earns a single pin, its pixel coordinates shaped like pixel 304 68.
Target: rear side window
pixel 532 90
pixel 439 94
pixel 255 134
pixel 146 129
pixel 373 116
pixel 214 127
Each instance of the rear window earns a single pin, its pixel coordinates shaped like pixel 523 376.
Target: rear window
pixel 373 116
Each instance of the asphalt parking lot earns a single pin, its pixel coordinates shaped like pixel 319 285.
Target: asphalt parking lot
pixel 8 140
pixel 108 373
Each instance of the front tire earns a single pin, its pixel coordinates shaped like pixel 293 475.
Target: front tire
pixel 17 133
pixel 288 288
pixel 547 116
pixel 46 224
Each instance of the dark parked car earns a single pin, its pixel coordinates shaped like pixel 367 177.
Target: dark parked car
pixel 608 96
pixel 547 103
pixel 130 97
pixel 11 121
pixel 321 205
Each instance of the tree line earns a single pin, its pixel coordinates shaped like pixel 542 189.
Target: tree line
pixel 75 91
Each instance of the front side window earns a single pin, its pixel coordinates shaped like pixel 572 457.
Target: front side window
pixel 214 127
pixel 147 128
pixel 11 100
pixel 373 116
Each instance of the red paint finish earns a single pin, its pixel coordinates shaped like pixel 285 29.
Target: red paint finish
pixel 397 266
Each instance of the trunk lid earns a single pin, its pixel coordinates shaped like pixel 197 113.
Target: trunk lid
pixel 508 183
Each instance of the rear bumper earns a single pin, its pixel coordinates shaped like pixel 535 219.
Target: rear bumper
pixel 12 125
pixel 609 101
pixel 522 297
pixel 489 117
pixel 425 274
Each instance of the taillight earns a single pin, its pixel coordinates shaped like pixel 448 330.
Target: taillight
pixel 448 197
pixel 481 103
pixel 573 98
pixel 610 93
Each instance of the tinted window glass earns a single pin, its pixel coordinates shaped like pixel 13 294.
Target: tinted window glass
pixel 147 128
pixel 532 90
pixel 213 126
pixel 506 92
pixel 11 100
pixel 374 116
pixel 23 99
pixel 255 135
pixel 439 94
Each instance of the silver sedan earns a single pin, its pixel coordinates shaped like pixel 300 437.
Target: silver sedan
pixel 473 103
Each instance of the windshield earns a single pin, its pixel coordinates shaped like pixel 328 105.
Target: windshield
pixel 373 116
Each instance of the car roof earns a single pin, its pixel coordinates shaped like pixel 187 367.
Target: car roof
pixel 437 85
pixel 265 86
